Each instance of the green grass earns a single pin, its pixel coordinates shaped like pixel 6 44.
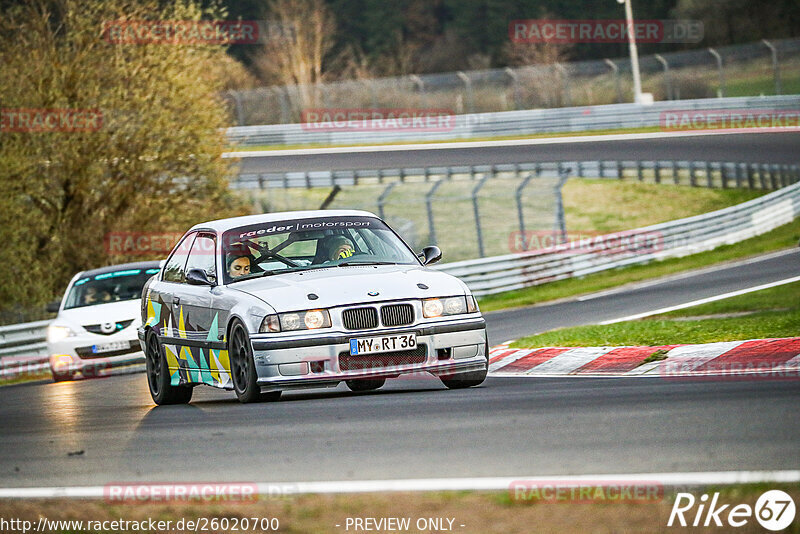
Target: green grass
pixel 780 238
pixel 773 312
pixel 26 377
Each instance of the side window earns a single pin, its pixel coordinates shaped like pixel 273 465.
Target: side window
pixel 202 256
pixel 174 269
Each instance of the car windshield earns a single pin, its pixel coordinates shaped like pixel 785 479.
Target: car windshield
pixel 113 286
pixel 301 244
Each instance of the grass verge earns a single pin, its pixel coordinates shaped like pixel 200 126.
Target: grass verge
pixel 769 313
pixel 469 511
pixel 26 377
pixel 783 237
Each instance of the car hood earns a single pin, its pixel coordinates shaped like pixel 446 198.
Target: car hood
pixel 338 286
pixel 102 313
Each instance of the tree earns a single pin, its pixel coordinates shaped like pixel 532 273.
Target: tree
pixel 153 164
pixel 296 55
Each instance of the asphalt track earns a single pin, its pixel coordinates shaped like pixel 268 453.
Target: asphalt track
pixel 101 431
pixel 753 147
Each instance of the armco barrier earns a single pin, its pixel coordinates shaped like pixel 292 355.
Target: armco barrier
pixel 23 348
pixel 681 237
pixel 523 122
pixel 764 176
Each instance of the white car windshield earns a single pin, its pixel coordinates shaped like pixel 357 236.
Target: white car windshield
pixel 291 245
pixel 112 286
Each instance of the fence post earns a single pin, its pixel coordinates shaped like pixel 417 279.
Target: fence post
pixel 709 176
pixel 657 170
pixel 429 209
pixel 667 78
pixel 382 199
pixel 421 88
pixel 776 69
pixel 515 86
pixel 750 176
pixel 563 175
pixel 475 190
pixel 468 90
pixel 615 71
pixel 676 179
pixel 738 168
pixel 640 170
pixel 692 174
pixel 721 90
pixel 518 196
pixel 723 174
pixel 619 170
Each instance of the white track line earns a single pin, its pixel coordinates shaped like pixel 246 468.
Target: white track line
pixel 485 144
pixel 445 484
pixel 702 301
pixel 689 274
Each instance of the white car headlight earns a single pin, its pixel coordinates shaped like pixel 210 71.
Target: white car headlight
pixel 303 320
pixel 448 306
pixel 56 333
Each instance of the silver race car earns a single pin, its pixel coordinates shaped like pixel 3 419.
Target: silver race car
pixel 281 301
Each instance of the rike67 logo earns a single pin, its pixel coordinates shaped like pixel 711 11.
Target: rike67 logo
pixel 774 510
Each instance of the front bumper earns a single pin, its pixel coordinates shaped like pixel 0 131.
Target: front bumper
pixel 74 354
pixel 314 360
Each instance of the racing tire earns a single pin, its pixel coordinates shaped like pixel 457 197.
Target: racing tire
pixel 158 378
pixel 467 380
pixel 365 384
pixel 243 368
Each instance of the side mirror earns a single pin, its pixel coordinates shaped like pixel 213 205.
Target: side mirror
pixel 198 277
pixel 431 255
pixel 52 307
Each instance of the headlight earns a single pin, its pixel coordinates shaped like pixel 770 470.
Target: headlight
pixel 304 320
pixel 448 306
pixel 57 333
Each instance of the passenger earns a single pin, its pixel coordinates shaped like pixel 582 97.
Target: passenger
pixel 238 264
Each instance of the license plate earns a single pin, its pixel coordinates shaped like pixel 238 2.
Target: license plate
pixel 372 345
pixel 110 347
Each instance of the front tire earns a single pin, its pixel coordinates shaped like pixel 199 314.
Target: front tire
pixel 365 384
pixel 243 368
pixel 467 380
pixel 161 389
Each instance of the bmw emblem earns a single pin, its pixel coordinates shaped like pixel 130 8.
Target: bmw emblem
pixel 372 293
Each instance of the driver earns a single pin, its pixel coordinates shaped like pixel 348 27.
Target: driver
pixel 340 247
pixel 238 264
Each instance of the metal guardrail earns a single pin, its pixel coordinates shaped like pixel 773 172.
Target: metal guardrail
pixel 524 122
pixel 677 238
pixel 695 173
pixel 23 349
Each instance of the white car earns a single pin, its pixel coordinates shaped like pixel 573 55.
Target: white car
pixel 95 328
pixel 280 301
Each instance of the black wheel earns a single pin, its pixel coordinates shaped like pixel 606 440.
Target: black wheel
pixel 365 384
pixel 467 380
pixel 161 388
pixel 243 368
